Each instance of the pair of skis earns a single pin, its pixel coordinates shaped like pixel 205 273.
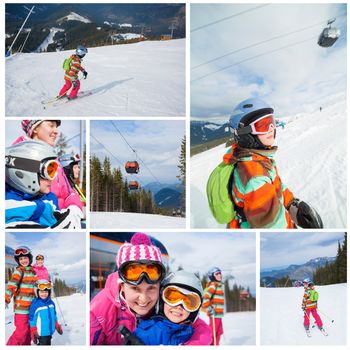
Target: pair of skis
pixel 322 330
pixel 58 100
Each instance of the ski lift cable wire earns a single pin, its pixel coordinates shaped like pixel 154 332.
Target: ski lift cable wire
pixel 260 43
pixel 138 157
pixel 101 144
pixel 228 17
pixel 250 58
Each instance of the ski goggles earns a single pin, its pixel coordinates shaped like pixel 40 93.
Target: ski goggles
pixel 22 251
pixel 174 296
pixel 48 169
pixel 39 257
pixel 43 286
pixel 259 126
pixel 135 272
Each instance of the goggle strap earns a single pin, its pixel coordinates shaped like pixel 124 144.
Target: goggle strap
pixel 25 164
pixel 245 130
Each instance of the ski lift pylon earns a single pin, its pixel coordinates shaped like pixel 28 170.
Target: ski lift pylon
pixel 329 35
pixel 132 167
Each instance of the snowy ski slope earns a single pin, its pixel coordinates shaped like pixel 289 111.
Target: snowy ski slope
pixel 311 161
pixel 282 318
pixel 142 79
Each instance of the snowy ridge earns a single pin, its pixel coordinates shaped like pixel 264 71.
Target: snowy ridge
pixel 74 17
pixel 141 79
pixel 311 161
pixel 49 39
pixel 282 317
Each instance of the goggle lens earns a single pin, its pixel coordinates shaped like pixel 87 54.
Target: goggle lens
pixel 175 296
pixel 133 272
pixel 263 124
pixel 43 286
pixel 21 251
pixel 49 169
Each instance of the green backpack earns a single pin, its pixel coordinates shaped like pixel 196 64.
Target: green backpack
pixel 66 63
pixel 313 295
pixel 218 193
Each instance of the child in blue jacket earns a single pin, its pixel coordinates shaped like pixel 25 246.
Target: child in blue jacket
pixel 42 315
pixel 179 304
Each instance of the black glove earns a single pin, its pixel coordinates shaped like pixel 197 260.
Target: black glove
pixel 129 338
pixel 85 74
pixel 75 84
pixel 304 215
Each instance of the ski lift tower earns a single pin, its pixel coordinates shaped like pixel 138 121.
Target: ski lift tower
pixel 172 27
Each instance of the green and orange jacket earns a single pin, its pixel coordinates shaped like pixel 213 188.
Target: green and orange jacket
pixel 22 294
pixel 214 297
pixel 75 68
pixel 310 299
pixel 257 189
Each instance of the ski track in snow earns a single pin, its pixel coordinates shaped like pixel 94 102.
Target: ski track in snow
pixel 117 220
pixel 282 318
pixel 311 161
pixel 73 310
pixel 142 79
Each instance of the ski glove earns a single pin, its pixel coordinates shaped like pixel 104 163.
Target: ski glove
pixel 75 84
pixel 85 74
pixel 68 218
pixel 303 215
pixel 34 335
pixel 210 311
pixel 59 328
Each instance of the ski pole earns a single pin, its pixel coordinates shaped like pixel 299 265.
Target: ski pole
pixel 330 318
pixel 58 304
pixel 214 331
pixel 80 192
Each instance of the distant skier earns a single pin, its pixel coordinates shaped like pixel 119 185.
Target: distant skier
pixel 72 67
pixel 214 303
pixel 309 306
pixel 245 191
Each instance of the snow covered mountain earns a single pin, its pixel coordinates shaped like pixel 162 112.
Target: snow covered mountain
pixel 72 16
pixel 142 79
pixel 281 317
pixel 202 132
pixel 311 161
pixel 298 272
pixel 167 198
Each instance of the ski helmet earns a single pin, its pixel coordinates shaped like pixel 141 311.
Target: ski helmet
pixel 245 113
pixel 185 280
pixel 212 272
pixel 25 163
pixel 23 251
pixel 306 280
pixel 311 283
pixel 68 161
pixel 81 51
pixel 28 126
pixel 42 284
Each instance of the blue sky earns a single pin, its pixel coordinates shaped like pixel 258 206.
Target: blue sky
pixel 69 128
pixel 157 143
pixel 285 248
pixel 57 248
pixel 199 251
pixel 296 79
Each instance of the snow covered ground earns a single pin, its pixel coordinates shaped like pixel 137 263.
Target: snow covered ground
pixel 134 220
pixel 74 314
pixel 311 161
pixel 239 328
pixel 282 318
pixel 142 79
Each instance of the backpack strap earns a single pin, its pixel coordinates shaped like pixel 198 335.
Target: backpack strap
pixel 20 282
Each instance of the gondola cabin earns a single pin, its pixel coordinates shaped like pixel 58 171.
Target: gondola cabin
pixel 132 167
pixel 133 185
pixel 329 35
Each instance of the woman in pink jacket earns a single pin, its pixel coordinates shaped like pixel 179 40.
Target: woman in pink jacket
pixel 131 294
pixel 40 269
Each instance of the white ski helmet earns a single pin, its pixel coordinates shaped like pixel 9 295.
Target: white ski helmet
pixel 185 280
pixel 25 163
pixel 42 284
pixel 81 51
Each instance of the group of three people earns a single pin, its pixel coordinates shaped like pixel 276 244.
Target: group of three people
pixel 35 316
pixel 41 189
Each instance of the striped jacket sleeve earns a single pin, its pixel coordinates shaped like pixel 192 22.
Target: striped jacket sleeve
pixel 12 285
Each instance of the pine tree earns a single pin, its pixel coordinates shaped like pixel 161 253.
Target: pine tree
pixel 61 145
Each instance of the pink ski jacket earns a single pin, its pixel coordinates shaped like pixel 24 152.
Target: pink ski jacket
pixel 41 272
pixel 108 311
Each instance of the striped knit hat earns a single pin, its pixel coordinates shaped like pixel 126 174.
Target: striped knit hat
pixel 139 248
pixel 28 126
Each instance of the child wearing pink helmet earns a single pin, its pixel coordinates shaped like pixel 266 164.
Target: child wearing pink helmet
pixel 131 294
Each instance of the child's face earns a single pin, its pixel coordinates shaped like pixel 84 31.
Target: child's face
pixel 45 185
pixel 43 294
pixel 218 276
pixel 76 171
pixel 175 314
pixel 46 132
pixel 142 298
pixel 268 139
pixel 40 262
pixel 24 261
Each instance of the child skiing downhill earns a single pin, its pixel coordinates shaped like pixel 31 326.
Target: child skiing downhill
pixel 180 300
pixel 42 315
pixel 214 303
pixel 131 294
pixel 309 306
pixel 40 269
pixel 21 288
pixel 72 68
pixel 254 194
